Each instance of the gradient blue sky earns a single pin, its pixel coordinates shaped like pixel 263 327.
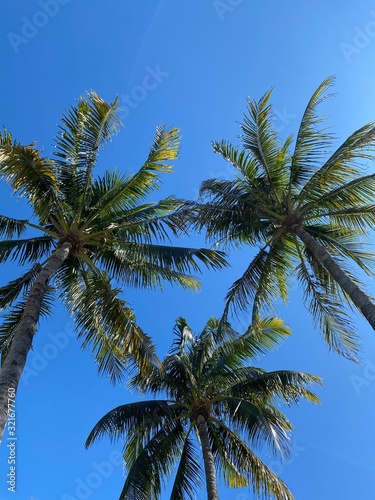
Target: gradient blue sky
pixel 192 65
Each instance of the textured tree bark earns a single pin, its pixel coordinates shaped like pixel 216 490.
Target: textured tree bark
pixel 359 298
pixel 15 361
pixel 208 459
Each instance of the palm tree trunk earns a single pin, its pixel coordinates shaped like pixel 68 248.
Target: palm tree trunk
pixel 360 299
pixel 22 341
pixel 208 459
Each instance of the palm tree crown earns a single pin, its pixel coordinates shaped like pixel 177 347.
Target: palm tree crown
pixel 92 230
pixel 307 213
pixel 213 401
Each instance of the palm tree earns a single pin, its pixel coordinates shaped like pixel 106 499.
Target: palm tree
pixel 213 401
pixel 92 231
pixel 308 212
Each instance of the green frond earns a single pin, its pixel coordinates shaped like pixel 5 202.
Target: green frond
pixel 240 159
pixel 10 227
pixel 343 165
pixel 343 245
pixel 11 320
pixel 108 325
pixel 233 349
pixel 264 483
pixel 264 281
pixel 118 422
pixel 12 290
pixel 287 385
pixel 260 138
pixel 355 194
pixel 150 266
pixel 328 314
pixel 188 478
pixel 356 220
pixel 163 150
pixel 84 129
pixel 142 273
pixel 260 422
pixel 225 463
pixel 154 463
pixel 26 250
pixel 28 174
pixel 312 141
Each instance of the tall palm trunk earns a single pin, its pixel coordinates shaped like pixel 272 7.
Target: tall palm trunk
pixel 22 341
pixel 208 459
pixel 359 298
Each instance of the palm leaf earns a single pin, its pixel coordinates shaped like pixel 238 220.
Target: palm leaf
pixel 311 143
pixel 260 138
pixel 108 325
pixel 10 227
pixel 25 250
pixel 188 478
pixel 118 422
pixel 28 173
pixel 264 280
pixel 12 319
pixel 154 462
pixel 84 129
pixel 265 484
pixel 328 314
pixel 11 291
pixel 341 167
pixel 163 150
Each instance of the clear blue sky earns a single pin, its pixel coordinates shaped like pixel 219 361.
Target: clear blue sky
pixel 189 64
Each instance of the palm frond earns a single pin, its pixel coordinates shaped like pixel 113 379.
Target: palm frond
pixel 260 422
pixel 28 173
pixel 163 150
pixel 328 313
pixel 11 320
pixel 142 273
pixel 343 244
pixel 25 250
pixel 188 478
pixel 350 195
pixel 83 130
pixel 264 483
pixel 288 385
pixel 312 141
pixel 264 281
pixel 154 463
pixel 240 159
pixel 260 138
pixel 152 220
pixel 11 291
pixel 259 338
pixel 10 227
pixel 147 265
pixel 342 167
pixel 108 325
pixel 118 422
